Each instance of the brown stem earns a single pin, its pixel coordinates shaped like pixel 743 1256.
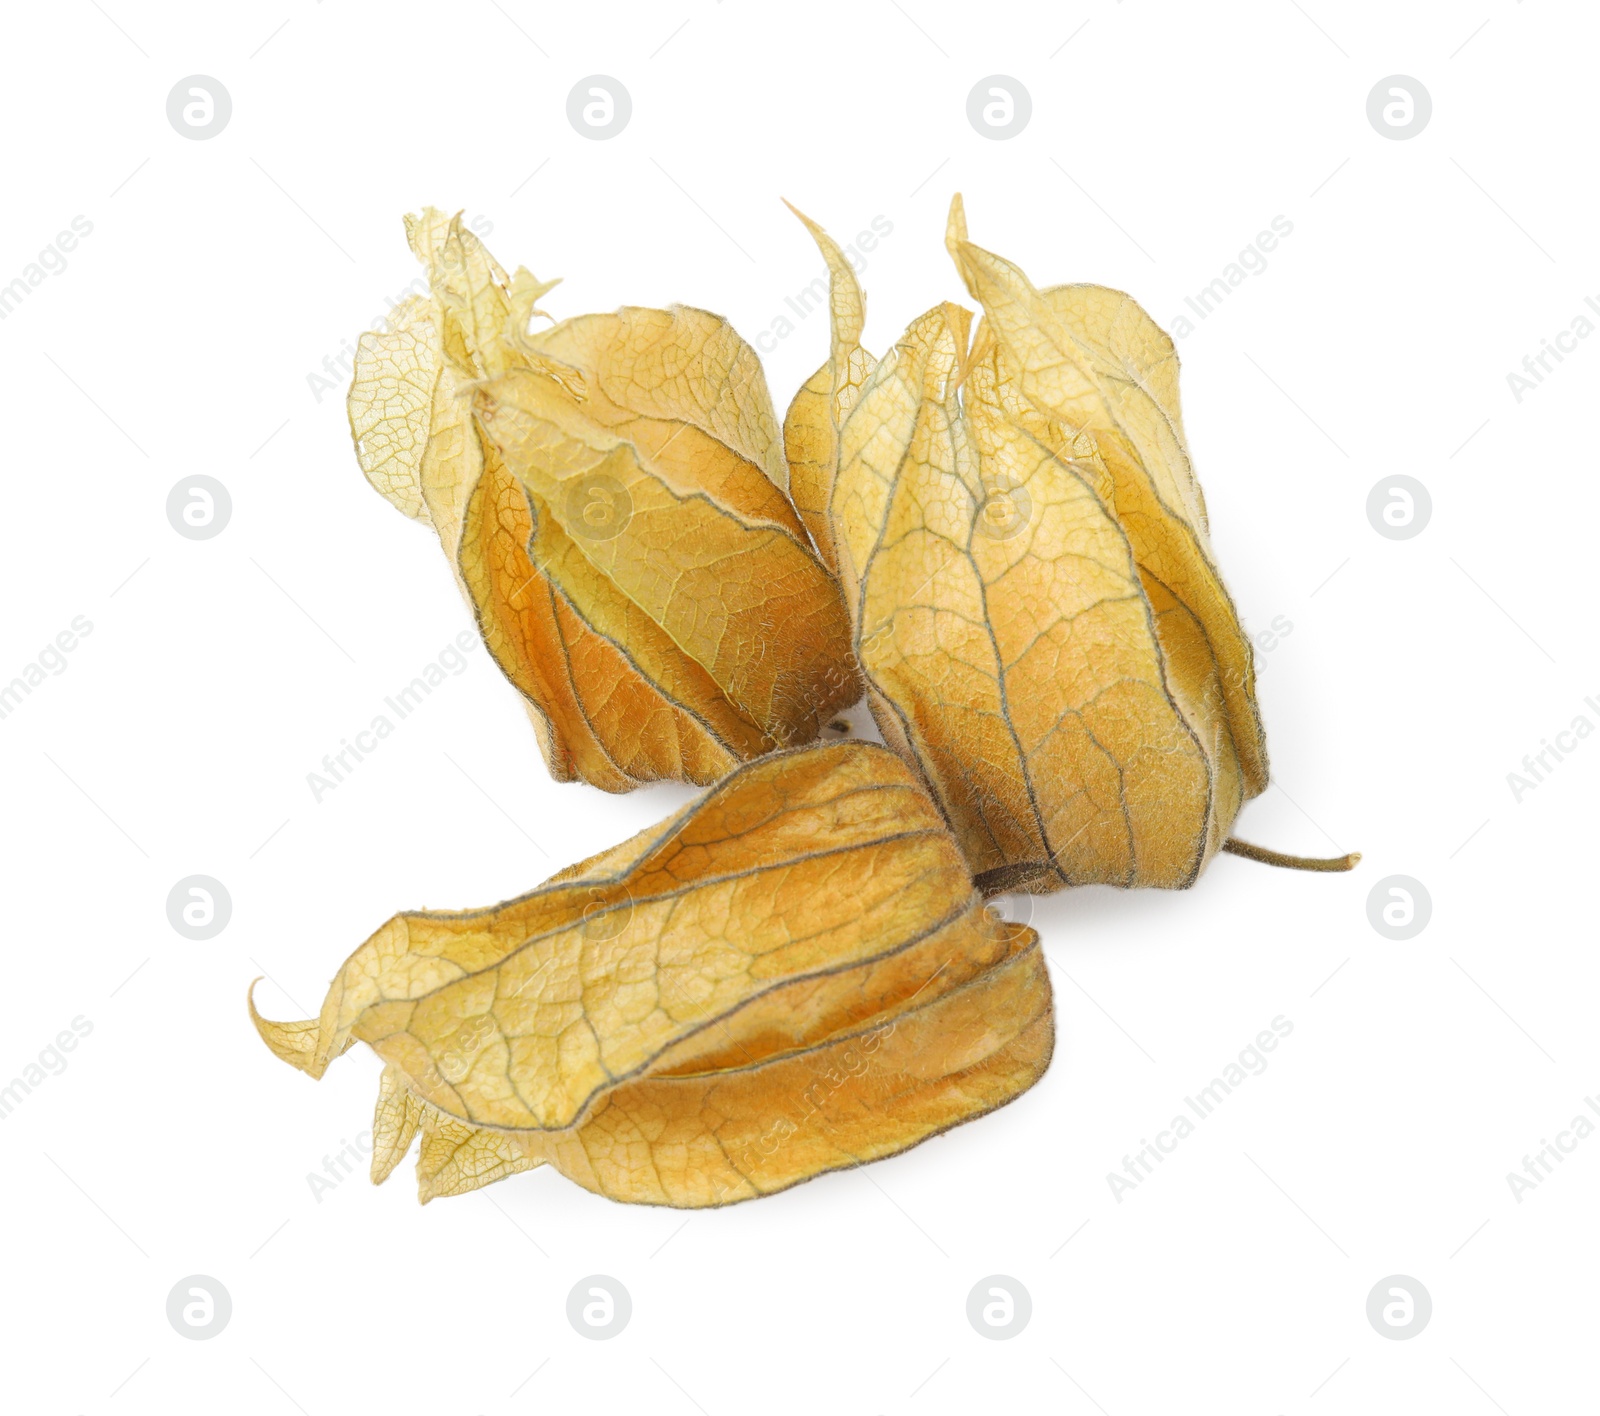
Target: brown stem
pixel 1234 846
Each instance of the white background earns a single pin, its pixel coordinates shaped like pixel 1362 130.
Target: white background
pixel 178 341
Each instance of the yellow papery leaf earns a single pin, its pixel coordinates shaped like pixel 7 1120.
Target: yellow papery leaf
pixel 469 292
pixel 740 625
pixel 659 374
pixel 391 403
pixel 611 495
pixel 1022 545
pixel 811 427
pixel 1094 360
pixel 791 975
